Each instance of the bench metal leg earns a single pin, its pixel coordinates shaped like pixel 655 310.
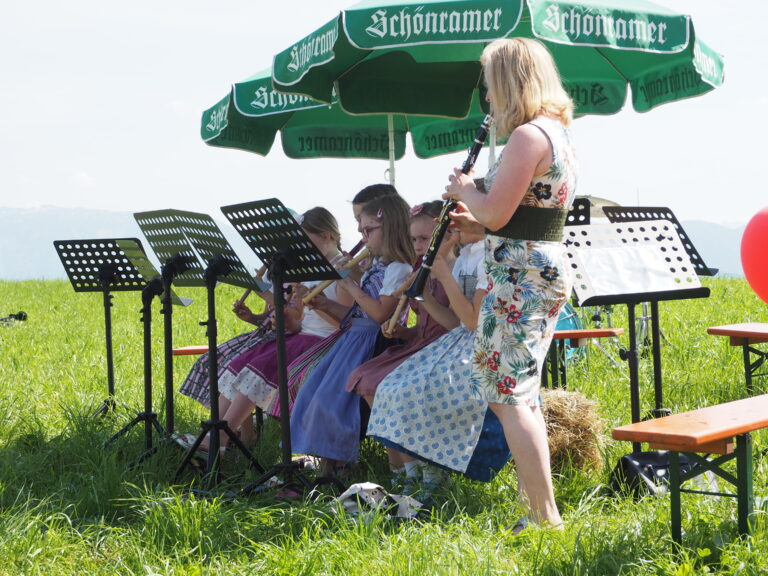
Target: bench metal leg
pixel 747 367
pixel 562 357
pixel 674 497
pixel 750 367
pixel 742 483
pixel 554 365
pixel 744 497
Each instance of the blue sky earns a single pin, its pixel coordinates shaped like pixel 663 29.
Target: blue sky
pixel 102 103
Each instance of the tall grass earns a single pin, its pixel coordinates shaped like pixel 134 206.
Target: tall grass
pixel 70 505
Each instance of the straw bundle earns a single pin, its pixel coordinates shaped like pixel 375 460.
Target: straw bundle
pixel 573 427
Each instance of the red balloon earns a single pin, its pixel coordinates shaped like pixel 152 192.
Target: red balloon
pixel 754 253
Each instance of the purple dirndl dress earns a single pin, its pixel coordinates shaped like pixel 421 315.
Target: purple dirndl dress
pixel 255 371
pixel 325 420
pixel 197 384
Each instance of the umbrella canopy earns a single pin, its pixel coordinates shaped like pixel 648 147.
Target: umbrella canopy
pixel 249 117
pixel 422 58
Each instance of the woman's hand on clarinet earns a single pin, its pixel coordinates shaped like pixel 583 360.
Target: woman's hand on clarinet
pixel 462 219
pixel 458 183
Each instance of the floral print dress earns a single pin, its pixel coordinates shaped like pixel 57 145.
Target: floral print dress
pixel 528 284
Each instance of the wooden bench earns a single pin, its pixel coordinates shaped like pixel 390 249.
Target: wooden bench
pixel 745 335
pixel 710 430
pixel 577 338
pixel 190 350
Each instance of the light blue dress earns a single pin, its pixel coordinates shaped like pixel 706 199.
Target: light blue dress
pixel 425 406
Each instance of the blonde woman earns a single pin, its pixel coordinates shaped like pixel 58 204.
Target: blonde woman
pixel 529 191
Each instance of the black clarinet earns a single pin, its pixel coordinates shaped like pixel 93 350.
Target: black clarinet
pixel 416 289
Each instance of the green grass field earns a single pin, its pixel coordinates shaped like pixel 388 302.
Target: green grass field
pixel 70 505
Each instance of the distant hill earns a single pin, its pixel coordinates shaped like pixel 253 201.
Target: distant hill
pixel 27 235
pixel 719 246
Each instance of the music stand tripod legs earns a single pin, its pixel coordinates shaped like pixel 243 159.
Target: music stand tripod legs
pixel 212 427
pixel 152 289
pixel 288 471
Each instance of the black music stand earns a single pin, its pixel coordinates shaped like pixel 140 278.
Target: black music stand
pixel 154 287
pixel 222 265
pixel 639 214
pixel 180 266
pixel 273 234
pixel 100 265
pixel 630 263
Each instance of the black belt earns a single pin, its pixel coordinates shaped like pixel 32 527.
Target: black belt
pixel 535 224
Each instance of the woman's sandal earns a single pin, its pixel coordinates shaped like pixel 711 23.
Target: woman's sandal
pixel 521 525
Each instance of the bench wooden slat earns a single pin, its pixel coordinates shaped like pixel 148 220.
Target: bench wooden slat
pixel 744 333
pixel 588 333
pixel 704 430
pixel 190 350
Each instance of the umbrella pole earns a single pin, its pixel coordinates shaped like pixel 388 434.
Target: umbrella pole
pixel 391 136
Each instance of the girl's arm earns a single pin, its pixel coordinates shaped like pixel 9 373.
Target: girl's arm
pixel 399 331
pixel 443 315
pixel 329 309
pixel 441 272
pixel 463 309
pixel 246 315
pixel 379 310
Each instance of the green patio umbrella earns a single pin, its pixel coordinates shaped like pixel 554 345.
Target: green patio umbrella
pixel 249 117
pixel 422 57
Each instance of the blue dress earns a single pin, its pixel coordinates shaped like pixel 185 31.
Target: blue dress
pixel 325 420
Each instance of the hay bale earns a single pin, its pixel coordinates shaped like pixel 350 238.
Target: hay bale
pixel 573 427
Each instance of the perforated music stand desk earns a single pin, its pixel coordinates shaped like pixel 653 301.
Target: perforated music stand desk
pixel 630 263
pixel 101 265
pixel 640 214
pixel 273 234
pixel 221 265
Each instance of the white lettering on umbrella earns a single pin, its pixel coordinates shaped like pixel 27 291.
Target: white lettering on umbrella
pixel 265 99
pixel 412 23
pixel 218 119
pixel 312 48
pixel 580 23
pixel 704 62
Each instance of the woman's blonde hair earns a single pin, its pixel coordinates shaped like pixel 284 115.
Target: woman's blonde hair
pixel 523 83
pixel 394 215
